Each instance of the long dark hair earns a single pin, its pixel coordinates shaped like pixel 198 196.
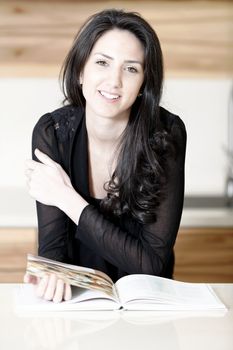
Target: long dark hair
pixel 135 186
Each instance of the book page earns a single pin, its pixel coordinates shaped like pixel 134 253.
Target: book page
pixel 25 300
pixel 153 289
pixel 75 275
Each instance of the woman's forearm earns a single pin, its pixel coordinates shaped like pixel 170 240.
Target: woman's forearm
pixel 72 204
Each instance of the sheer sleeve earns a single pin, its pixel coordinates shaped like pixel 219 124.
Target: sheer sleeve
pixel 150 251
pixel 52 222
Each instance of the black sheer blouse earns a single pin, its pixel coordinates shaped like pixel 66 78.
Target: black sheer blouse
pixel 116 248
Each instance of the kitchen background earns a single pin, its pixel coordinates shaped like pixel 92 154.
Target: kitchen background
pixel 196 38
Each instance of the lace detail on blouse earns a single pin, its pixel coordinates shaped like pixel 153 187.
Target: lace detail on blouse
pixel 65 122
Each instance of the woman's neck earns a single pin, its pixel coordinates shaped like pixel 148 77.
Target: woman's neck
pixel 104 135
pixel 104 132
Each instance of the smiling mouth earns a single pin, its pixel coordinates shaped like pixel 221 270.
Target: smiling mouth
pixel 109 96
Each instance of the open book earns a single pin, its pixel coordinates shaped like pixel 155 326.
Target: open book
pixel 94 290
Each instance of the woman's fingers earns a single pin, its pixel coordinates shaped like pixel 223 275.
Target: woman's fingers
pixel 58 295
pixel 44 158
pixel 27 278
pixel 30 279
pixel 62 292
pixel 28 172
pixel 31 164
pixel 42 286
pixel 67 292
pixel 51 287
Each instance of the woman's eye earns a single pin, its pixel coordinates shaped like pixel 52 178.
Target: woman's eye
pixel 101 63
pixel 132 69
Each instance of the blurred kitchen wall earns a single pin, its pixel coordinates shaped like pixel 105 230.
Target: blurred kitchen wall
pixel 196 38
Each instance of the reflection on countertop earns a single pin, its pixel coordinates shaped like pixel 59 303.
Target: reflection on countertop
pixel 17 209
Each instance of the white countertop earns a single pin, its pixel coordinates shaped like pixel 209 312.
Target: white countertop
pixel 17 209
pixel 207 217
pixel 117 330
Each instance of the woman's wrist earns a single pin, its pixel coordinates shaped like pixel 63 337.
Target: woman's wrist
pixel 72 204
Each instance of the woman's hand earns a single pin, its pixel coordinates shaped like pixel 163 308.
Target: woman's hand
pixel 50 287
pixel 49 184
pixel 46 180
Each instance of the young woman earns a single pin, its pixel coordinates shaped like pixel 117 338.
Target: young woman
pixel 108 167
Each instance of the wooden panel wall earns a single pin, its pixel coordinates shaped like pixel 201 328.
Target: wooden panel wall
pixel 15 244
pixel 196 36
pixel 202 254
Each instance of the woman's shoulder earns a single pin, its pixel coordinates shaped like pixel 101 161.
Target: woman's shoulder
pixel 170 120
pixel 62 121
pixel 172 123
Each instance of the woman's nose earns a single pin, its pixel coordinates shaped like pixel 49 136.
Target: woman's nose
pixel 116 78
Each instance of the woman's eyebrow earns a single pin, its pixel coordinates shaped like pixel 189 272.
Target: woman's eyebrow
pixel 111 58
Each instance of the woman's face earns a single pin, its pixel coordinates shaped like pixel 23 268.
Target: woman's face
pixel 113 75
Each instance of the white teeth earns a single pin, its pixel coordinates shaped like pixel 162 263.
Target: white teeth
pixel 110 96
